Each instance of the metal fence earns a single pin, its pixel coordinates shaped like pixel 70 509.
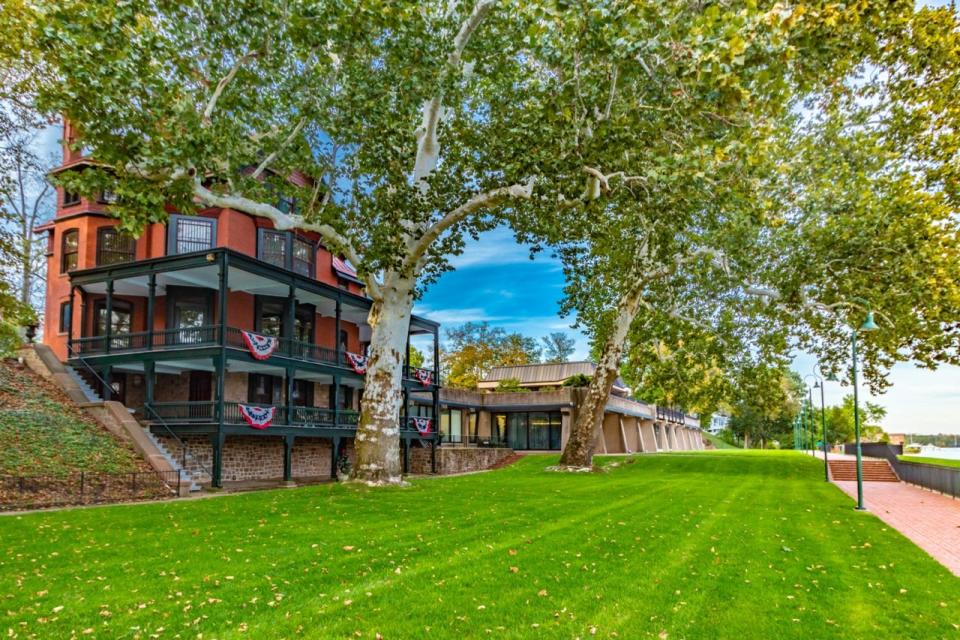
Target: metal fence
pixel 946 480
pixel 34 492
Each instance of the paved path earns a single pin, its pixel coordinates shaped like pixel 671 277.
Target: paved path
pixel 930 520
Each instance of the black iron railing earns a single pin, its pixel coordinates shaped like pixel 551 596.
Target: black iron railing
pixel 668 414
pixel 85 487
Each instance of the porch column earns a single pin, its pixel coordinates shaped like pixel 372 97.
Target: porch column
pixel 336 401
pixel 406 361
pixel 291 319
pixel 220 367
pixel 83 314
pixel 149 375
pixel 336 334
pixel 151 302
pixel 217 440
pixel 405 412
pixel 288 458
pixel 290 388
pixel 108 321
pixel 222 297
pixel 406 455
pixel 436 356
pixel 73 308
pixel 107 383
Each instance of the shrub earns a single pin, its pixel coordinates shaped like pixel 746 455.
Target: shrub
pixel 578 380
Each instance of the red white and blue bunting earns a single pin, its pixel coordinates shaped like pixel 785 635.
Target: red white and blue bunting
pixel 357 362
pixel 423 425
pixel 260 347
pixel 257 417
pixel 424 376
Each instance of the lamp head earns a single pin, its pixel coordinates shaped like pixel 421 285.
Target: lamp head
pixel 832 377
pixel 869 324
pixel 816 385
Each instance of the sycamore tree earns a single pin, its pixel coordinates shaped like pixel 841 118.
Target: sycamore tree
pixel 399 129
pixel 720 190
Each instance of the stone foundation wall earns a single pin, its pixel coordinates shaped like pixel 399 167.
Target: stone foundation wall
pixel 257 457
pixel 457 459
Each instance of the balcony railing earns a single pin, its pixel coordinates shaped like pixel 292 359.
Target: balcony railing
pixel 185 413
pixel 209 335
pixel 667 414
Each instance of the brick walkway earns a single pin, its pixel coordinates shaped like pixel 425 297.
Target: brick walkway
pixel 930 520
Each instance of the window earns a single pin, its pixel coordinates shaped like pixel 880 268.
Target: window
pixel 269 316
pixel 303 331
pixel 273 247
pixel 70 198
pixel 69 246
pixel 65 317
pixel 107 197
pixel 121 321
pixel 286 250
pixel 115 246
pixel 189 309
pixel 303 393
pixel 186 234
pixel 264 389
pixel 303 257
pixel 534 430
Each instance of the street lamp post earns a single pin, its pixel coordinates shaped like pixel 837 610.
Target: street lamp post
pixel 868 325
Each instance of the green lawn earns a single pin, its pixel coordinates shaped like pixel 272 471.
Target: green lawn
pixel 731 544
pixel 940 462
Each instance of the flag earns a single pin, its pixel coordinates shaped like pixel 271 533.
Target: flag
pixel 260 347
pixel 257 417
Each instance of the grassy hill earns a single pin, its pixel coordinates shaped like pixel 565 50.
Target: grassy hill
pixel 43 433
pixel 717 442
pixel 711 545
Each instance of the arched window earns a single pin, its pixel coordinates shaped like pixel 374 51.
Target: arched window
pixel 69 247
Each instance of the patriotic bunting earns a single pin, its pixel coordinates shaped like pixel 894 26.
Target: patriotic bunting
pixel 257 417
pixel 422 424
pixel 357 362
pixel 424 376
pixel 260 347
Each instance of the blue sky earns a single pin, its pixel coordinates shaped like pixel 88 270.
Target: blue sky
pixel 496 281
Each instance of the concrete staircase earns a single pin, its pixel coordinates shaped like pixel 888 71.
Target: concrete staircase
pixel 873 471
pixel 193 478
pixel 88 391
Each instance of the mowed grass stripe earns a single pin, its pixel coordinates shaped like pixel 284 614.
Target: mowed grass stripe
pixel 757 544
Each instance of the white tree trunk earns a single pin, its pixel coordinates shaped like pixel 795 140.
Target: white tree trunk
pixel 578 452
pixel 378 431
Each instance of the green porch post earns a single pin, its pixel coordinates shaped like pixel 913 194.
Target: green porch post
pixel 336 401
pixel 108 321
pixel 290 391
pixel 149 375
pixel 288 458
pixel 73 307
pixel 151 305
pixel 217 441
pixel 83 314
pixel 336 333
pixel 291 319
pixel 222 297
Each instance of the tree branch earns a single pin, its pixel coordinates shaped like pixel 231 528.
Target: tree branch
pixel 481 201
pixel 224 81
pixel 273 155
pixel 428 144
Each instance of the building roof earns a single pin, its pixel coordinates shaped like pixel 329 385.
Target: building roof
pixel 544 374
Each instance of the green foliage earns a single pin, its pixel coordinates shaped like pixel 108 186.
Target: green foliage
pixel 43 434
pixel 557 347
pixel 472 349
pixel 417 359
pixel 840 422
pixel 511 385
pixel 577 380
pixel 759 523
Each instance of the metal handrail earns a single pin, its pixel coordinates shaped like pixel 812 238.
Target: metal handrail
pixel 109 391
